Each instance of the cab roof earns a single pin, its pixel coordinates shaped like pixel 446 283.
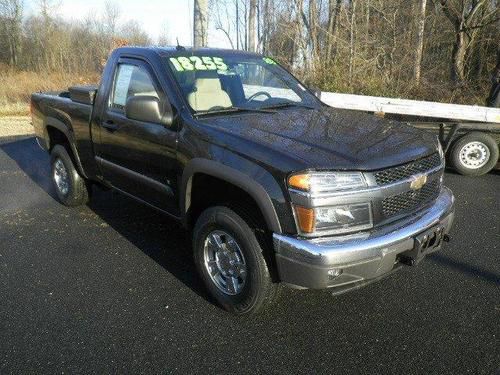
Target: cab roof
pixel 167 51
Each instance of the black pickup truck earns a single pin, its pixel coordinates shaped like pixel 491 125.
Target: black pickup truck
pixel 275 186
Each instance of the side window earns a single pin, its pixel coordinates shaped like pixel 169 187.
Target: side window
pixel 130 80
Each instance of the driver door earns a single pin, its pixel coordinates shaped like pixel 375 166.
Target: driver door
pixel 137 157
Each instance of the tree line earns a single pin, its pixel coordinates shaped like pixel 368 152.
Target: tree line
pixel 446 50
pixel 429 49
pixel 43 42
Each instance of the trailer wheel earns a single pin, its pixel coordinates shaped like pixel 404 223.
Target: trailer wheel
pixel 474 154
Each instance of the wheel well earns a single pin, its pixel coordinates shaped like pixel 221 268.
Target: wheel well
pixel 57 137
pixel 208 191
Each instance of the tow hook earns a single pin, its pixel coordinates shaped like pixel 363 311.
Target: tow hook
pixel 424 243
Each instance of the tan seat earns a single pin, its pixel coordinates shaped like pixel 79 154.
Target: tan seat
pixel 208 93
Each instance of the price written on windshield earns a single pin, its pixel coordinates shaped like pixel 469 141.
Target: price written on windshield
pixel 184 63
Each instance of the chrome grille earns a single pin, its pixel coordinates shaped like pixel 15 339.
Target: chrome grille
pixel 411 200
pixel 391 175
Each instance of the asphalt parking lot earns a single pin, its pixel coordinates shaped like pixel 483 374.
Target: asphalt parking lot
pixel 111 287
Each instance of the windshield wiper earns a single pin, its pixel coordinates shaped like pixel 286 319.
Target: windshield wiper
pixel 288 104
pixel 233 110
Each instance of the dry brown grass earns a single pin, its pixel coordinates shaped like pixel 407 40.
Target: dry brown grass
pixel 14 109
pixel 13 126
pixel 17 86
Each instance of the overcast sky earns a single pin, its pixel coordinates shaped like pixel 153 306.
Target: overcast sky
pixel 154 16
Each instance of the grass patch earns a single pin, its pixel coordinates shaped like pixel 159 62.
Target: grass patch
pixel 14 109
pixel 13 126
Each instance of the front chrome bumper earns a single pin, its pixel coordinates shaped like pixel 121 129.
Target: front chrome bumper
pixel 361 258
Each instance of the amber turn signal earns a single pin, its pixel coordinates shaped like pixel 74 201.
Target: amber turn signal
pixel 299 181
pixel 305 219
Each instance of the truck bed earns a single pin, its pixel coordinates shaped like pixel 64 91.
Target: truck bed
pixel 67 112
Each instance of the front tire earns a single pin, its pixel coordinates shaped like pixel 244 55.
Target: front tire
pixel 474 154
pixel 71 188
pixel 231 263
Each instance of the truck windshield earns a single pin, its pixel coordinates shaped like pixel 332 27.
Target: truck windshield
pixel 221 83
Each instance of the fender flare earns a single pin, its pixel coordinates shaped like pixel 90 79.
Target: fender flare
pixel 234 177
pixel 67 131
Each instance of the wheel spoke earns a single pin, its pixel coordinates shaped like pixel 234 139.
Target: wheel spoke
pixel 232 284
pixel 232 246
pixel 216 241
pixel 212 267
pixel 240 270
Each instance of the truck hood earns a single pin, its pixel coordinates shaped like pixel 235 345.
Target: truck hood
pixel 325 138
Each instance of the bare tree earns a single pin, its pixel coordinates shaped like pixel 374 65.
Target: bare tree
pixel 200 23
pixel 266 22
pixel 252 29
pixel 420 41
pixel 244 41
pixel 299 35
pixel 222 19
pixel 464 17
pixel 112 14
pixel 237 16
pixel 352 36
pixel 314 31
pixel 134 34
pixel 494 97
pixel 164 38
pixel 335 7
pixel 11 12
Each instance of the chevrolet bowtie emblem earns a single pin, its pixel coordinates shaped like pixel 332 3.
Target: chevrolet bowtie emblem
pixel 418 181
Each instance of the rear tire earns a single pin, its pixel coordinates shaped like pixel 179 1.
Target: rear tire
pixel 474 154
pixel 71 188
pixel 231 263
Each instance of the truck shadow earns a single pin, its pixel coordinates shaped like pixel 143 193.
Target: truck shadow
pixel 465 268
pixel 155 234
pixel 31 159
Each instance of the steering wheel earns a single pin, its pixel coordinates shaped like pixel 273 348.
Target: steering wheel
pixel 252 97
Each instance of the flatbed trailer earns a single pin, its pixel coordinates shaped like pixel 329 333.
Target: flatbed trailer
pixel 470 135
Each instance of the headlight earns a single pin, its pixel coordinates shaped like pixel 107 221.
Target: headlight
pixel 323 220
pixel 334 219
pixel 327 182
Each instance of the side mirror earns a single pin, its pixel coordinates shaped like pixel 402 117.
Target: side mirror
pixel 316 92
pixel 148 109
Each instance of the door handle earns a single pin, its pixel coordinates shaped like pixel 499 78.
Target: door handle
pixel 110 126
